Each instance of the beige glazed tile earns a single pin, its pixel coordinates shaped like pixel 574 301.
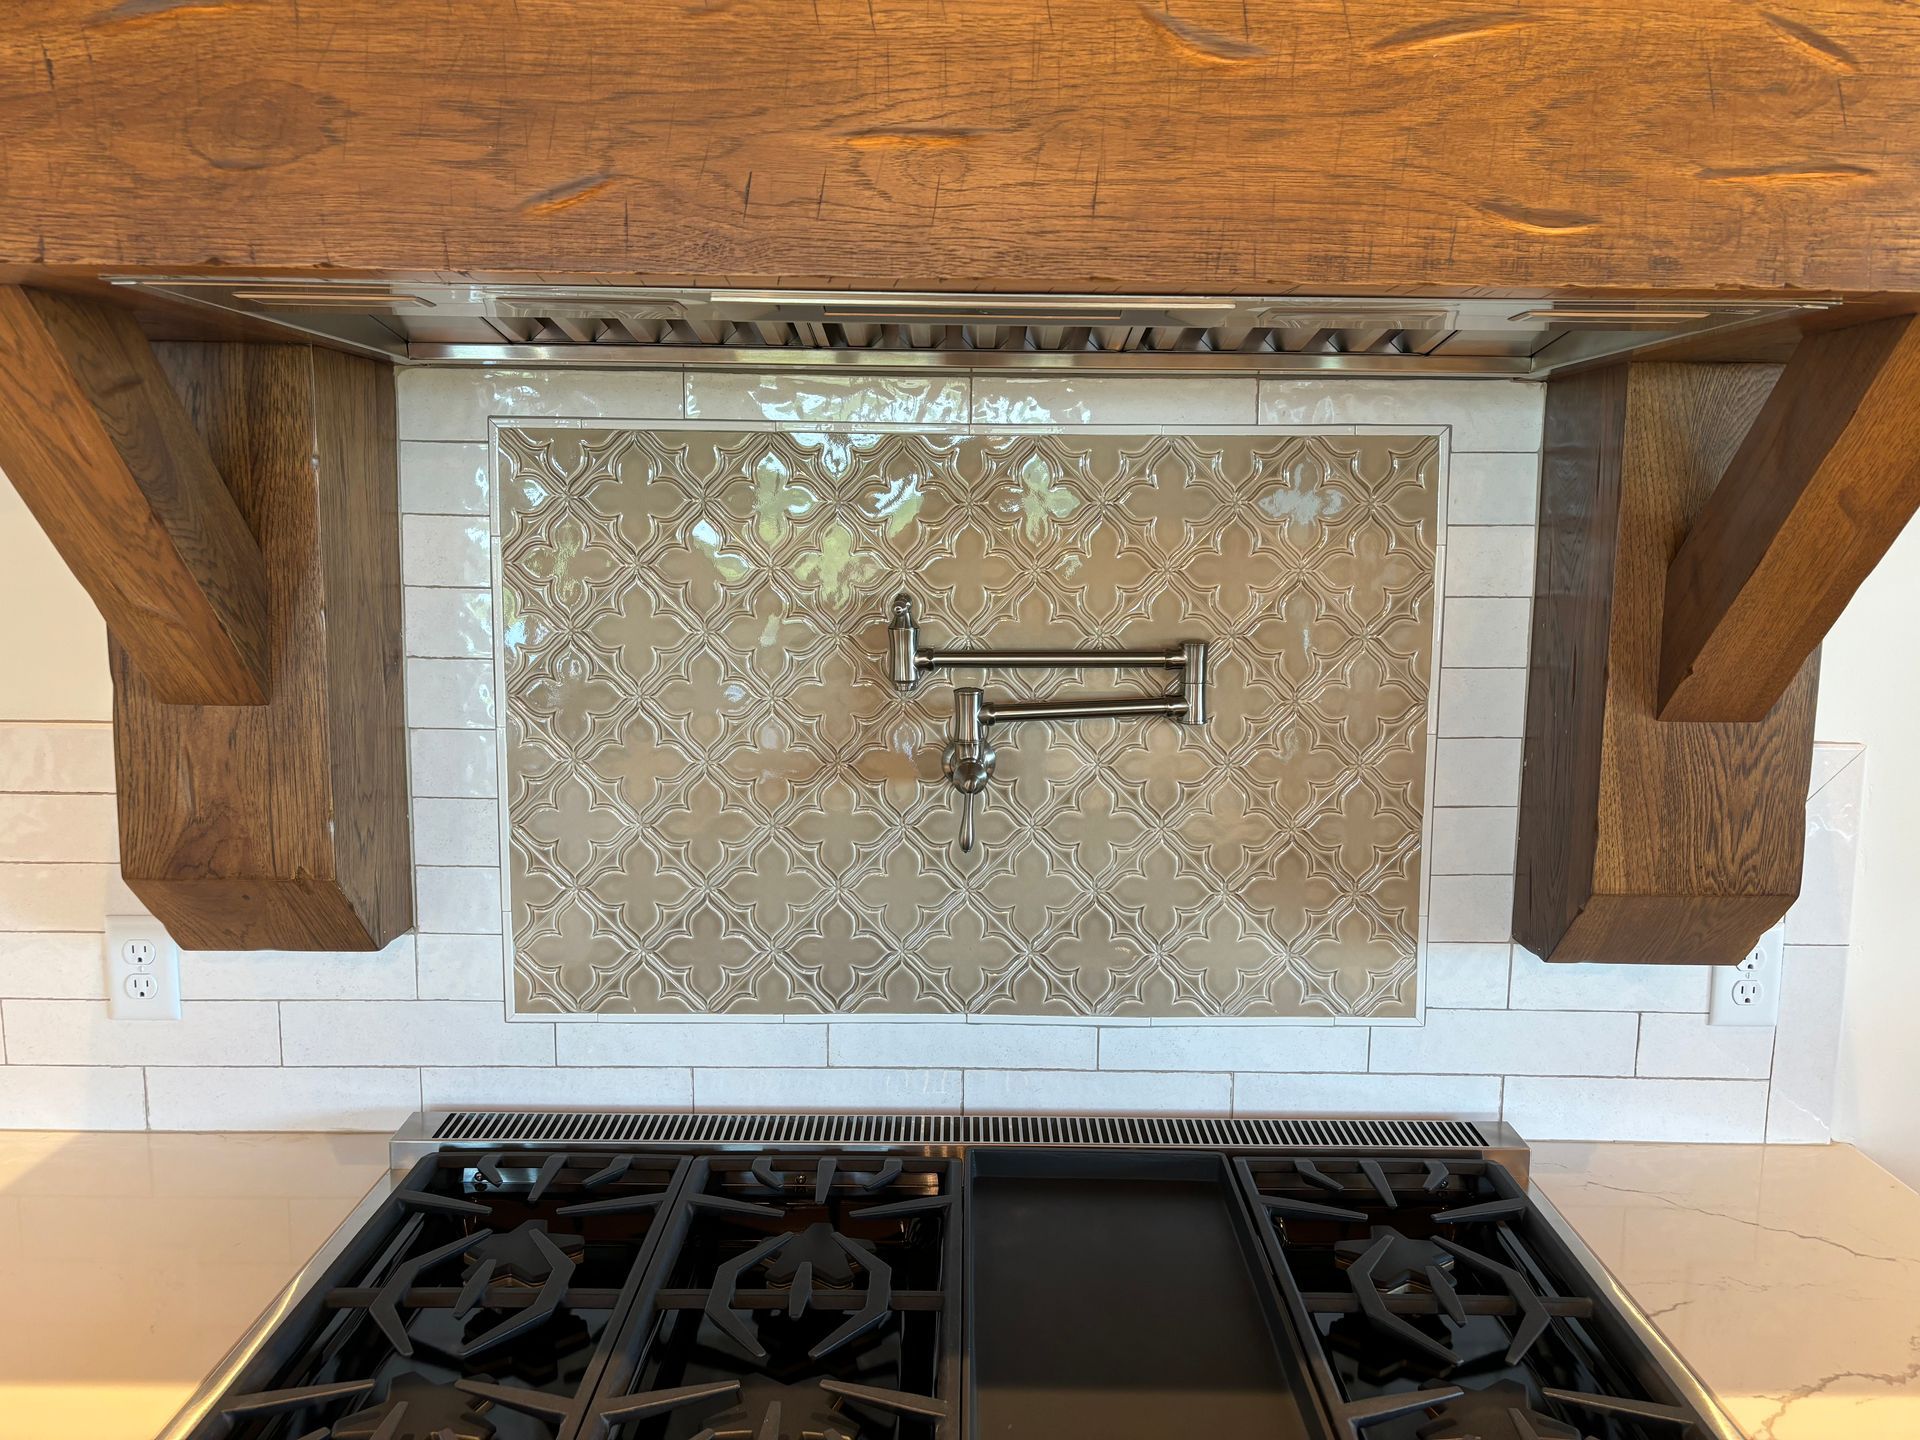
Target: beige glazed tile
pixel 717 804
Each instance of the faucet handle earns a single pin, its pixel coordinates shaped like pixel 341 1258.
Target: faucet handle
pixel 968 799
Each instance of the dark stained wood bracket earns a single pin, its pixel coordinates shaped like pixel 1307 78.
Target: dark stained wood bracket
pixel 102 452
pixel 1823 484
pixel 1640 840
pixel 284 825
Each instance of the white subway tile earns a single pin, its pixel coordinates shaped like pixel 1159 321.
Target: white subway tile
pixel 1696 1111
pixel 1470 907
pixel 72 1097
pixel 1008 399
pixel 425 1032
pixel 1477 772
pixel 643 1089
pixel 961 1044
pixel 457 899
pixel 1477 704
pixel 299 974
pixel 454 763
pixel 1492 489
pixel 1540 986
pixel 1477 840
pixel 59 829
pixel 1460 1097
pixel 450 694
pixel 1483 415
pixel 1467 975
pixel 828 1088
pixel 450 404
pixel 442 404
pixel 1100 1092
pixel 1806 1045
pixel 1489 560
pixel 456 832
pixel 1831 759
pixel 449 624
pixel 56 758
pixel 445 550
pixel 1823 915
pixel 760 1044
pixel 364 1097
pixel 1681 1047
pixel 80 1032
pixel 827 399
pixel 52 966
pixel 1239 1047
pixel 444 478
pixel 1494 1042
pixel 461 967
pixel 1480 633
pixel 63 897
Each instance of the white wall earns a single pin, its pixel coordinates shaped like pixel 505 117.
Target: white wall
pixel 53 647
pixel 271 1041
pixel 1870 692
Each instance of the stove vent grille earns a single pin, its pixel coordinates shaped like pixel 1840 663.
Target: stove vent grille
pixel 632 1127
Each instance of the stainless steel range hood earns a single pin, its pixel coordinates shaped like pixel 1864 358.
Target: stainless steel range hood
pixel 770 329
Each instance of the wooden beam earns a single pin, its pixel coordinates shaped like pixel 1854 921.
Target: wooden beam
pixel 1107 145
pixel 102 453
pixel 284 826
pixel 1642 841
pixel 1823 484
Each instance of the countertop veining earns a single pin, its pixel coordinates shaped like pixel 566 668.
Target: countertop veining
pixel 1789 1276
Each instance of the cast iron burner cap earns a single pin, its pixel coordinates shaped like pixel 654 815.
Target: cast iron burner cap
pixel 515 1256
pixel 426 1411
pixel 1405 1261
pixel 814 1246
pixel 1499 1412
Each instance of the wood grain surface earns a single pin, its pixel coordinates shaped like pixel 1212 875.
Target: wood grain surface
pixel 285 825
pixel 100 450
pixel 1822 485
pixel 1695 837
pixel 1106 145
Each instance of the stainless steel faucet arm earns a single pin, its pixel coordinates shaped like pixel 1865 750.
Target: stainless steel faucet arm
pixel 970 756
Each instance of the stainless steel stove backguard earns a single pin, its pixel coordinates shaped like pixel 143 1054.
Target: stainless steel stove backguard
pixel 430 1130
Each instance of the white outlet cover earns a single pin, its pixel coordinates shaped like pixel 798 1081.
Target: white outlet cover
pixel 1749 993
pixel 143 969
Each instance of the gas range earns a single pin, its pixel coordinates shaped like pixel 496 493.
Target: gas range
pixel 567 1276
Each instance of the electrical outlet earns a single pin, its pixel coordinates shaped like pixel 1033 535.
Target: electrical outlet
pixel 143 969
pixel 1749 993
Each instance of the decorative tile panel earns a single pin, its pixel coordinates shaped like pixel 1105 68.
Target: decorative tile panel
pixel 718 804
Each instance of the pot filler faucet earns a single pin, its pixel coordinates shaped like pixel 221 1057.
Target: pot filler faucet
pixel 969 757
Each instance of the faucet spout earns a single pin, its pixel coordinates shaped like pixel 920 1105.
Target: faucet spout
pixel 969 757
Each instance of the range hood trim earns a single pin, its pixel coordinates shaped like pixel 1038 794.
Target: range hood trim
pixel 940 332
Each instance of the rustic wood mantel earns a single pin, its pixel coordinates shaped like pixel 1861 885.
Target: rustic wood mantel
pixel 1226 146
pixel 1526 148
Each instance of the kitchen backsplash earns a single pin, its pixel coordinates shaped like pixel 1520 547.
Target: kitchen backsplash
pixel 355 1041
pixel 717 803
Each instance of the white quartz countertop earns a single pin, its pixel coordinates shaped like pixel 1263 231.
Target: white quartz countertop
pixel 1789 1276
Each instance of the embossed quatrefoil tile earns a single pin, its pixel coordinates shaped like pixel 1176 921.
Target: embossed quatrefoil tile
pixel 717 804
